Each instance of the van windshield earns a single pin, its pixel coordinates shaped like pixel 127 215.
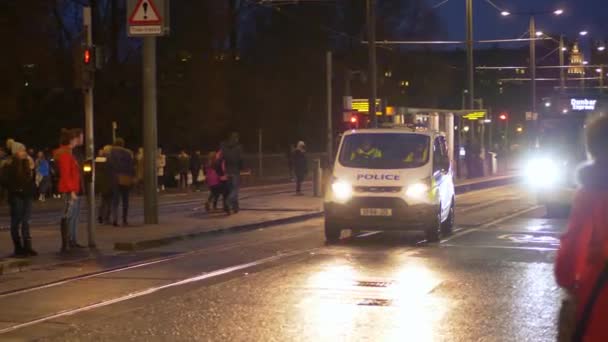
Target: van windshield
pixel 385 151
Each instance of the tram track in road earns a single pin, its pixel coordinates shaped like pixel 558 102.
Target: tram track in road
pixel 279 241
pixel 181 255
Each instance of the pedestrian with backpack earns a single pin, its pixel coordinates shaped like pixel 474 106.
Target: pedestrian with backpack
pixel 17 177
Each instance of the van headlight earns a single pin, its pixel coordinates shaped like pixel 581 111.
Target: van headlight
pixel 542 172
pixel 417 190
pixel 342 190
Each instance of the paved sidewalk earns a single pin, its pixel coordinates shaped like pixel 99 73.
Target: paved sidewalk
pixel 191 222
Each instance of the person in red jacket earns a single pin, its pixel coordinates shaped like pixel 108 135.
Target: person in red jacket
pixel 583 252
pixel 69 185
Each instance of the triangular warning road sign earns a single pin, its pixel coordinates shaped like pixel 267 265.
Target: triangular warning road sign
pixel 145 13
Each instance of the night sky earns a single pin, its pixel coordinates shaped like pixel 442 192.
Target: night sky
pixel 591 15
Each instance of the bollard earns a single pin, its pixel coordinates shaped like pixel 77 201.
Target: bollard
pixel 317 175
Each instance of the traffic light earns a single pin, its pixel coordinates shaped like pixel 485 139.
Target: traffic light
pixel 354 121
pixel 87 169
pixel 503 117
pixel 87 56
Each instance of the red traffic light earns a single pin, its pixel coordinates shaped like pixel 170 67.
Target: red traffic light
pixel 503 117
pixel 353 119
pixel 86 58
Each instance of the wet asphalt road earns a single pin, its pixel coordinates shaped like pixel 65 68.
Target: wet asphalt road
pixel 491 281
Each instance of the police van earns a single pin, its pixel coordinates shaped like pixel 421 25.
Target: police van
pixel 391 179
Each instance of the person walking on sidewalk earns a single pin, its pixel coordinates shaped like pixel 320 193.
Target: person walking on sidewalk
pixel 103 185
pixel 196 163
pixel 43 176
pixel 215 176
pixel 581 265
pixel 300 165
pixel 231 152
pixel 183 166
pixel 161 163
pixel 122 171
pixel 17 177
pixel 69 185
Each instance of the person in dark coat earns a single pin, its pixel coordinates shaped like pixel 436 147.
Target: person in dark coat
pixel 300 165
pixel 231 152
pixel 581 266
pixel 103 185
pixel 17 178
pixel 122 172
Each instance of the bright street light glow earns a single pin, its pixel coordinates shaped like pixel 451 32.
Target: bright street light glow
pixel 598 70
pixel 539 33
pixel 584 33
pixel 601 48
pixel 564 49
pixel 505 13
pixel 547 104
pixel 558 11
pixel 466 128
pixel 565 111
pixel 585 62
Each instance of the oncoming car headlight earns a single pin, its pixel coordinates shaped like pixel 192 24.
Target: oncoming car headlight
pixel 417 190
pixel 542 172
pixel 342 190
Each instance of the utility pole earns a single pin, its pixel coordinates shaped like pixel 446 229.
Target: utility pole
pixel 373 67
pixel 87 90
pixel 150 131
pixel 533 63
pixel 602 79
pixel 562 71
pixel 470 61
pixel 328 85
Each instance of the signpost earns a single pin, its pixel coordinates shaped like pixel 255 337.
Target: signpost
pixel 149 19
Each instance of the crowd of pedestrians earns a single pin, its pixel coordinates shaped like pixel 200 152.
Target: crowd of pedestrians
pixel 26 176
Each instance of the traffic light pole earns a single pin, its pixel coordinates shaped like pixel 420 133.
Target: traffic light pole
pixel 328 89
pixel 150 131
pixel 88 119
pixel 373 67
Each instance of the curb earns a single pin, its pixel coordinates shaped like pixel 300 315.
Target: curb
pixel 146 244
pixel 484 184
pixel 14 265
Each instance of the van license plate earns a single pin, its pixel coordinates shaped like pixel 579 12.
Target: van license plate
pixel 376 212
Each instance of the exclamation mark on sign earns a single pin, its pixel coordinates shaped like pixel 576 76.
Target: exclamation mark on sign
pixel 145 5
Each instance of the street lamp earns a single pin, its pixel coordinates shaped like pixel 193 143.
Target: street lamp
pixel 583 33
pixel 505 13
pixel 558 11
pixel 539 33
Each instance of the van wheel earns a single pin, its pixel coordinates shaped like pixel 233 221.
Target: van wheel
pixel 432 233
pixel 447 227
pixel 332 232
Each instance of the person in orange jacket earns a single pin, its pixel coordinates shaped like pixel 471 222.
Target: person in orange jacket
pixel 69 185
pixel 582 259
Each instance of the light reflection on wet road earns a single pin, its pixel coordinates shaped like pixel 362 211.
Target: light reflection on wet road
pixel 492 282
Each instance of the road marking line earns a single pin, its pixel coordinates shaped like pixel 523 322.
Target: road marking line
pixel 201 277
pixel 491 223
pixel 540 249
